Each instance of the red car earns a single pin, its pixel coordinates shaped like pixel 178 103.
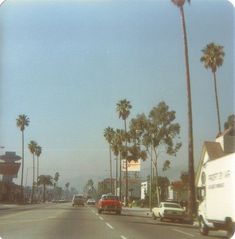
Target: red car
pixel 109 203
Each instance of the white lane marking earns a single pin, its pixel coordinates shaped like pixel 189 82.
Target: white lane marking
pixel 97 214
pixel 188 234
pixel 123 237
pixel 109 225
pixel 101 218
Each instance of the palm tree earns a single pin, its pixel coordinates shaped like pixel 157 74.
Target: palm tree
pixel 109 134
pixel 67 189
pixel 192 196
pixel 38 153
pixel 56 179
pixel 118 149
pixel 230 123
pixel 213 57
pixel 32 148
pixel 67 186
pixel 45 180
pixel 22 121
pixel 123 109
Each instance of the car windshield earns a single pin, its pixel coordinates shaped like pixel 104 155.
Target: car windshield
pixel 78 197
pixel 110 197
pixel 171 205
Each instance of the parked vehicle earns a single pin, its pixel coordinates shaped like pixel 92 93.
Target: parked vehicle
pixel 78 200
pixel 168 210
pixel 109 203
pixel 91 201
pixel 217 195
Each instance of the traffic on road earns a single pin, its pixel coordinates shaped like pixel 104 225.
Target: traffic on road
pixel 62 220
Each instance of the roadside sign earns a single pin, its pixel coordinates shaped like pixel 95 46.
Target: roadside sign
pixel 132 166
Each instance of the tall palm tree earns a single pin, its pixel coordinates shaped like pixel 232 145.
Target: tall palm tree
pixel 21 122
pixel 55 179
pixel 117 148
pixel 38 152
pixel 213 57
pixel 45 180
pixel 109 134
pixel 67 190
pixel 67 185
pixel 123 109
pixel 192 196
pixel 32 148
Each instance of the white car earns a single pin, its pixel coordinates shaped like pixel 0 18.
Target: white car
pixel 169 210
pixel 91 201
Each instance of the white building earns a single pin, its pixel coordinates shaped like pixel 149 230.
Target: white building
pixel 224 145
pixel 144 189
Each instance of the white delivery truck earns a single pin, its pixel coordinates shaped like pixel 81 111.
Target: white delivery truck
pixel 216 195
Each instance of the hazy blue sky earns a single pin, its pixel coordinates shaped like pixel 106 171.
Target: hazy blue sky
pixel 65 64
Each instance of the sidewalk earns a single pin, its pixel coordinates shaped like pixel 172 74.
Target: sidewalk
pixel 8 206
pixel 136 211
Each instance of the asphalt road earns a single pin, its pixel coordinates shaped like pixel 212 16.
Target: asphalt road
pixel 60 221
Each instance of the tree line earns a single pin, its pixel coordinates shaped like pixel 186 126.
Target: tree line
pixel 144 137
pixel 45 180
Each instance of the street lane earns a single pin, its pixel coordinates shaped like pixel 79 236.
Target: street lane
pixel 49 221
pixel 140 227
pixel 53 221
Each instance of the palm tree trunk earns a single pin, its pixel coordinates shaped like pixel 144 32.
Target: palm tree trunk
pixel 116 183
pixel 126 201
pixel 37 168
pixel 32 195
pixel 111 176
pixel 22 169
pixel 37 174
pixel 44 192
pixel 120 178
pixel 192 198
pixel 217 102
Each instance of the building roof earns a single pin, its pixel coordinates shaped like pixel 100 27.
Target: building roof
pixel 214 150
pixel 10 157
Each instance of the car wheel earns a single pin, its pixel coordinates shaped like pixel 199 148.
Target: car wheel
pixel 161 218
pixel 230 228
pixel 203 228
pixel 230 233
pixel 154 217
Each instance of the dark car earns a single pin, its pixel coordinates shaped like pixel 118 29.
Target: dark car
pixel 78 200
